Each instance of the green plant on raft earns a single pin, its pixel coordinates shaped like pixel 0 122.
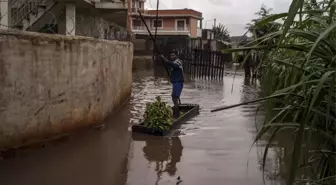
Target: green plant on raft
pixel 158 115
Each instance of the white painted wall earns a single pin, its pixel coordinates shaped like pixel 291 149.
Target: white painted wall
pixel 4 14
pixel 70 17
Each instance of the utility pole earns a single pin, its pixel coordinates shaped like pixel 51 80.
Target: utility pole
pixel 214 33
pixel 129 19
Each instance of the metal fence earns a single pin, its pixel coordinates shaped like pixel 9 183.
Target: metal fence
pixel 206 64
pixel 202 64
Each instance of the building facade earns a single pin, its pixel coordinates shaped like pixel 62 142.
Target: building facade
pixel 175 28
pixel 178 22
pixel 105 19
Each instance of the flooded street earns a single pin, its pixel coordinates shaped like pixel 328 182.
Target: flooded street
pixel 211 149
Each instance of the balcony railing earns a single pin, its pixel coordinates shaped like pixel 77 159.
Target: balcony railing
pixel 111 4
pixel 161 31
pixel 22 8
pixel 135 10
pixel 199 32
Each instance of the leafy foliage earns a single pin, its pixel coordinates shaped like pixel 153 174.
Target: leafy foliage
pixel 258 30
pixel 298 62
pixel 158 115
pixel 302 65
pixel 221 32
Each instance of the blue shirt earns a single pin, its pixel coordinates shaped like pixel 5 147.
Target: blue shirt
pixel 176 71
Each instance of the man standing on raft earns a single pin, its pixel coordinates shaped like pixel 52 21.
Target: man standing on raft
pixel 177 79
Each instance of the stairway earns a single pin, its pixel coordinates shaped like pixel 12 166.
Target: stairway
pixel 26 15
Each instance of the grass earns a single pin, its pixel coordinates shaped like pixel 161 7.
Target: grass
pixel 298 63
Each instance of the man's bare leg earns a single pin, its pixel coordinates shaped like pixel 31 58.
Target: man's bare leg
pixel 176 110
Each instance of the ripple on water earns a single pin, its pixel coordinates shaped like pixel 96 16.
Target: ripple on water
pixel 208 94
pixel 213 145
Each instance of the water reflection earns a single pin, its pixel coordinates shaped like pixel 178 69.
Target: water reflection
pixel 215 145
pixel 92 157
pixel 247 82
pixel 213 149
pixel 164 152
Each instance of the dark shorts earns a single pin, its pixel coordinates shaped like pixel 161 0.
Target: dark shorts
pixel 177 89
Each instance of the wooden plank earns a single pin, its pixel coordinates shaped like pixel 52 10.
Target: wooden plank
pixel 209 64
pixel 222 66
pixel 217 65
pixel 213 66
pixel 193 67
pixel 201 64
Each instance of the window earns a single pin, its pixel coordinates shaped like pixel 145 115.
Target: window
pixel 158 24
pixel 181 24
pixel 137 24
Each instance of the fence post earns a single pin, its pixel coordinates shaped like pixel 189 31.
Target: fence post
pixel 218 65
pixel 199 63
pixel 222 66
pixel 209 64
pixel 214 65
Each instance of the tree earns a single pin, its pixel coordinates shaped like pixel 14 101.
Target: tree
pixel 258 30
pixel 221 32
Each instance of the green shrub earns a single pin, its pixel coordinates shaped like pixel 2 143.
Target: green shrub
pixel 158 115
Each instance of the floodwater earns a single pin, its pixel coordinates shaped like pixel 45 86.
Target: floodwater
pixel 210 149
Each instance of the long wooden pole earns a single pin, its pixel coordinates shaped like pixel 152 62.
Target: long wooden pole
pixel 253 101
pixel 237 105
pixel 154 40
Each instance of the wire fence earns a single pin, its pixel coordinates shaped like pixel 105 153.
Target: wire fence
pixel 47 16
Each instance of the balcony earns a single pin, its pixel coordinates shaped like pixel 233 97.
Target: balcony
pixel 141 30
pixel 135 10
pixel 199 32
pixel 111 4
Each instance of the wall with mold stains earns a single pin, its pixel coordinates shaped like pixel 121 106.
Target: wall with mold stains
pixel 53 84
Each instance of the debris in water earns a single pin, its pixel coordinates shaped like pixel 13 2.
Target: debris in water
pixel 178 180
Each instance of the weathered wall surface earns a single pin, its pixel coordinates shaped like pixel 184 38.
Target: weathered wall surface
pixel 89 24
pixel 52 84
pixel 193 27
pixel 142 62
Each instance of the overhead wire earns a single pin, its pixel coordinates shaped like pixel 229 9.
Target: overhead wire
pixel 156 48
pixel 155 24
pixel 157 18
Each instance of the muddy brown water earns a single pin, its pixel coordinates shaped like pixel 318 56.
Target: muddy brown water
pixel 210 149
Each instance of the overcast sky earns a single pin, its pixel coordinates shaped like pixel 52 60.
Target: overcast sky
pixel 235 14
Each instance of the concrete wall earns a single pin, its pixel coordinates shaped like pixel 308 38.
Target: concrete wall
pixel 168 24
pixel 52 84
pixel 142 62
pixel 88 21
pixel 193 27
pixel 90 25
pixel 142 47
